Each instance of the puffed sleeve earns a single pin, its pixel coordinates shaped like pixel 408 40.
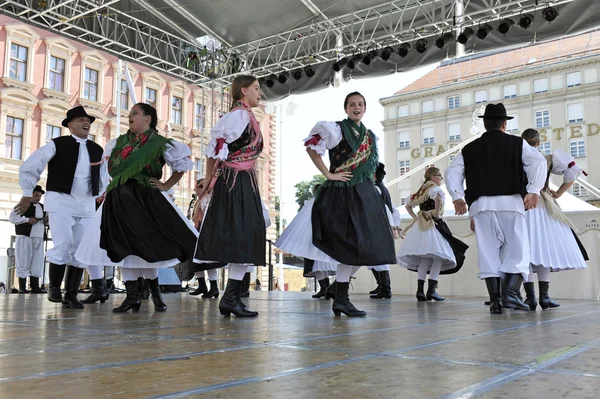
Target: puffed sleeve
pixel 227 130
pixel 396 218
pixel 104 175
pixel 564 164
pixel 31 169
pixel 177 156
pixel 435 192
pixel 324 136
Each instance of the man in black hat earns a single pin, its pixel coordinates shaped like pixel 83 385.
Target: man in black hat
pixel 74 181
pixel 504 176
pixel 29 244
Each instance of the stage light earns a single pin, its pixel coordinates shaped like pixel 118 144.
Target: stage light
pixel 421 46
pixel 549 13
pixel 387 53
pixel 366 59
pixel 283 77
pixel 505 26
pixel 270 82
pixel 526 21
pixel 466 34
pixel 351 63
pixel 297 74
pixel 336 67
pixel 404 49
pixel 309 71
pixel 483 31
pixel 443 40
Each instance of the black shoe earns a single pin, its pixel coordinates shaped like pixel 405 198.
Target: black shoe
pixel 72 280
pixel 421 291
pixel 386 286
pixel 431 291
pixel 143 288
pixel 376 274
pixel 23 286
pixel 331 291
pixel 34 282
pixel 213 292
pixel 493 285
pixel 530 296
pixel 55 274
pixel 245 289
pixel 159 305
pixel 202 288
pixel 545 301
pixel 324 283
pixel 231 303
pixel 132 301
pixel 99 292
pixel 342 303
pixel 512 287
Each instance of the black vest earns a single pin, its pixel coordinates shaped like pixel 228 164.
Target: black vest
pixel 61 168
pixel 385 195
pixel 24 229
pixel 494 166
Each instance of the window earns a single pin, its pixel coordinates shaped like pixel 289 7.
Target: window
pixel 428 135
pixel 18 62
pixel 199 123
pixel 14 137
pixel 575 112
pixel 57 74
pixel 574 79
pixel 402 111
pixel 52 132
pixel 545 148
pixel 90 84
pixel 579 191
pixel 124 93
pixel 577 147
pixel 510 91
pixel 404 194
pixel 481 96
pixel 542 118
pixel 404 167
pixel 540 85
pixel 197 170
pixel 453 102
pixel 427 106
pixel 454 131
pixel 176 110
pixel 512 125
pixel 150 97
pixel 403 139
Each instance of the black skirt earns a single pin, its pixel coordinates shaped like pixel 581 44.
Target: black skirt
pixel 140 221
pixel 458 247
pixel 351 226
pixel 233 229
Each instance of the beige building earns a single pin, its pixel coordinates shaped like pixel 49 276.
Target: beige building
pixel 553 87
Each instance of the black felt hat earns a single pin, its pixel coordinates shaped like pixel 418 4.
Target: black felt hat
pixel 39 189
pixel 495 111
pixel 75 113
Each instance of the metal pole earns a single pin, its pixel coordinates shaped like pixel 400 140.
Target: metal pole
pixel 271 266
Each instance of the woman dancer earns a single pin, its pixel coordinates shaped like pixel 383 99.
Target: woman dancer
pixel 233 230
pixel 430 248
pixel 553 243
pixel 350 226
pixel 138 227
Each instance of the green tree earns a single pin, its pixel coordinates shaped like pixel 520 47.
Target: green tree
pixel 304 189
pixel 277 218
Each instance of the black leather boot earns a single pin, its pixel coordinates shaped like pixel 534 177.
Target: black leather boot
pixel 34 282
pixel 512 288
pixel 23 286
pixel 386 286
pixel 72 280
pixel 99 292
pixel 342 303
pixel 245 288
pixel 493 286
pixel 545 301
pixel 421 291
pixel 143 288
pixel 214 290
pixel 331 291
pixel 159 305
pixel 324 283
pixel 530 296
pixel 232 303
pixel 376 274
pixel 431 291
pixel 202 288
pixel 132 301
pixel 55 279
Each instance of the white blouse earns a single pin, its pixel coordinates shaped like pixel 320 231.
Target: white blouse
pixel 330 133
pixel 560 166
pixel 230 127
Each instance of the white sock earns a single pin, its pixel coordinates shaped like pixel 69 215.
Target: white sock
pixel 95 272
pixel 149 273
pixel 237 271
pixel 435 270
pixel 543 274
pixel 199 274
pixel 213 274
pixel 423 268
pixel 130 274
pixel 344 272
pixel 319 275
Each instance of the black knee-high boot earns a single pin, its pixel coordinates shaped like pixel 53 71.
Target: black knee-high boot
pixel 493 285
pixel 232 303
pixel 132 301
pixel 23 286
pixel 377 275
pixel 55 279
pixel 324 283
pixel 245 288
pixel 34 282
pixel 421 291
pixel 159 305
pixel 512 290
pixel 214 290
pixel 99 292
pixel 342 303
pixel 431 291
pixel 530 295
pixel 72 280
pixel 385 284
pixel 545 301
pixel 330 291
pixel 202 288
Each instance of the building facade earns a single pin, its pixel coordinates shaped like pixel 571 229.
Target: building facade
pixel 553 87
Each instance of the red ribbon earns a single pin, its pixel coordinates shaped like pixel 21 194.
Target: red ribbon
pixel 314 140
pixel 570 165
pixel 220 143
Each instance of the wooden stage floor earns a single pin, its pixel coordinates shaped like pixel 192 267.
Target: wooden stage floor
pixel 296 348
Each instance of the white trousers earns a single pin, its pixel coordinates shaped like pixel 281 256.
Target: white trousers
pixel 502 242
pixel 29 256
pixel 67 232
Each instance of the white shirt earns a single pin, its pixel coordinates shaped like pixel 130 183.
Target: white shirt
pixel 535 168
pixel 37 230
pixel 80 202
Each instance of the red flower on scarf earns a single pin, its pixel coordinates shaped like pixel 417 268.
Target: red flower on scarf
pixel 126 151
pixel 364 160
pixel 353 166
pixel 144 139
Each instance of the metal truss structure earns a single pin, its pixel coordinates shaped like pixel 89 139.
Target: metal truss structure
pixel 100 24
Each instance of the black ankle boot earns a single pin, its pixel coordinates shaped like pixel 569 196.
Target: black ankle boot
pixel 530 296
pixel 55 274
pixel 143 288
pixel 159 305
pixel 324 283
pixel 421 291
pixel 202 288
pixel 342 303
pixel 23 286
pixel 132 301
pixel 545 301
pixel 431 291
pixel 376 274
pixel 214 290
pixel 72 280
pixel 99 292
pixel 34 282
pixel 512 288
pixel 385 285
pixel 232 303
pixel 245 288
pixel 493 286
pixel 331 291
